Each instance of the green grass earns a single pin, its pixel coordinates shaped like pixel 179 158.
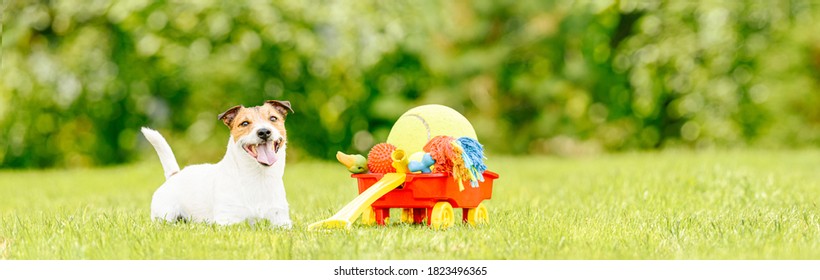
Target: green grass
pixel 668 205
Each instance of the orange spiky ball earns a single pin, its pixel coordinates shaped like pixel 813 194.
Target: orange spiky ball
pixel 379 160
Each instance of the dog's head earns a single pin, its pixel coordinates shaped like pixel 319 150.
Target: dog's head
pixel 259 131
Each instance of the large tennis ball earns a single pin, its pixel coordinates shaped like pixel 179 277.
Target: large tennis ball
pixel 418 125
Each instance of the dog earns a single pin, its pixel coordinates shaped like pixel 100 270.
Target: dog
pixel 246 185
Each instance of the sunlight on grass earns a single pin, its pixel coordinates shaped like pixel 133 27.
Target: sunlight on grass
pixel 668 205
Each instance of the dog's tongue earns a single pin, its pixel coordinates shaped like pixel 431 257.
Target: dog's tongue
pixel 265 155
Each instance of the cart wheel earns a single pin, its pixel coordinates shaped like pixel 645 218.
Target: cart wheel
pixel 442 216
pixel 478 215
pixel 407 215
pixel 368 216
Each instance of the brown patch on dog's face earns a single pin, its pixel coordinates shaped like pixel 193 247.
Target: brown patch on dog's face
pixel 276 114
pixel 242 123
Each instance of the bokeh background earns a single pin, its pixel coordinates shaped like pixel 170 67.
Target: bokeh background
pixel 79 77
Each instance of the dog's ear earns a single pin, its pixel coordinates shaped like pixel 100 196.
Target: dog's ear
pixel 283 106
pixel 228 116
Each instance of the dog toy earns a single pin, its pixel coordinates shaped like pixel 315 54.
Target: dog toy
pixel 379 158
pixel 399 161
pixel 473 156
pixel 460 172
pixel 416 156
pixel 419 125
pixel 356 164
pixel 462 157
pixel 422 165
pixel 425 139
pixel 441 151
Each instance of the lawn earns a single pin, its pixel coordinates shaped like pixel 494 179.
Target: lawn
pixel 665 205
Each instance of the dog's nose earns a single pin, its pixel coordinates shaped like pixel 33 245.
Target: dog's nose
pixel 263 133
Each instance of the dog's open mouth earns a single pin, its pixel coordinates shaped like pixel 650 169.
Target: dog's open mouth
pixel 265 152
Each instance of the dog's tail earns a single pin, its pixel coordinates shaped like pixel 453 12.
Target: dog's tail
pixel 166 156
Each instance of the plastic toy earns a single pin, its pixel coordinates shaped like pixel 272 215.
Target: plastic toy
pixel 427 198
pixel 417 156
pixel 399 161
pixel 422 165
pixel 456 158
pixel 356 164
pixel 379 160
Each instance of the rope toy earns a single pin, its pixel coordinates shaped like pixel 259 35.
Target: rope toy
pixel 462 157
pixel 473 156
pixel 460 172
pixel 441 151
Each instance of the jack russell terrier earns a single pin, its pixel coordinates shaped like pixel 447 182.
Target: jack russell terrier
pixel 245 185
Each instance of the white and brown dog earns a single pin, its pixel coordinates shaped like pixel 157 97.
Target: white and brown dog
pixel 245 185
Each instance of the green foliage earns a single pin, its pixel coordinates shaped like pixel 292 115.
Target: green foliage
pixel 664 205
pixel 78 78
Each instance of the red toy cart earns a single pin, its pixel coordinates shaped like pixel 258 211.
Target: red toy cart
pixel 429 198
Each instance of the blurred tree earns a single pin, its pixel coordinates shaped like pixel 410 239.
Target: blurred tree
pixel 78 78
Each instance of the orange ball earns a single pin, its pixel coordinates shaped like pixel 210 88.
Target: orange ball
pixel 379 160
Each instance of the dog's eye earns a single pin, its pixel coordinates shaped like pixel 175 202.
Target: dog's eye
pixel 273 118
pixel 245 123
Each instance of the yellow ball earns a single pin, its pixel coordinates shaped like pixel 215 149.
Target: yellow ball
pixel 418 125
